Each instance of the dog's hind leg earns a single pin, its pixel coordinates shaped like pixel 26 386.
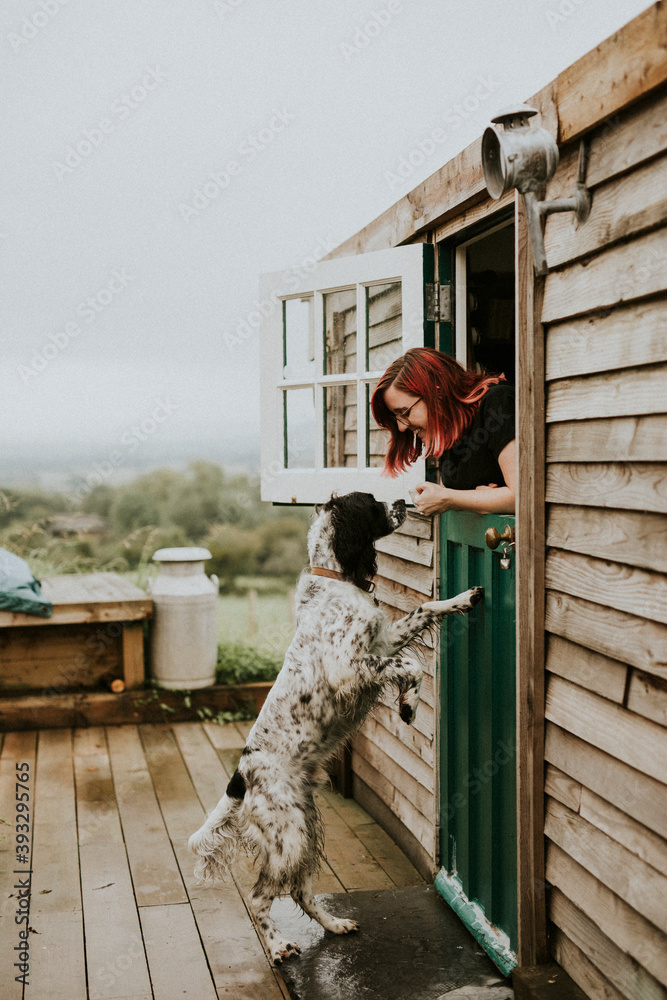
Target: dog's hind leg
pixel 278 949
pixel 305 898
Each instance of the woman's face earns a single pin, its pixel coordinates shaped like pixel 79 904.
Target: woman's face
pixel 409 410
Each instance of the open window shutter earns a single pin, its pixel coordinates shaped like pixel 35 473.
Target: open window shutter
pixel 328 333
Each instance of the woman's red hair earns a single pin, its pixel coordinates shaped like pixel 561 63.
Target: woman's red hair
pixel 452 395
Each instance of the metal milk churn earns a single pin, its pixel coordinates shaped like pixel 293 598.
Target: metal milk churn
pixel 184 634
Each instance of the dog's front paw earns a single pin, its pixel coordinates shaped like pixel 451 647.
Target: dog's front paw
pixel 409 700
pixel 476 594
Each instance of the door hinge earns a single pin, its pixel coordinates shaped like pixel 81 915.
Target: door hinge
pixel 439 303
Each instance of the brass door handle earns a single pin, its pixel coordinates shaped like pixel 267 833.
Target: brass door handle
pixel 493 537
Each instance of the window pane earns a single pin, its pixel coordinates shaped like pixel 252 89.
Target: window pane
pixel 299 428
pixel 340 332
pixel 298 342
pixel 377 437
pixel 340 427
pixel 385 326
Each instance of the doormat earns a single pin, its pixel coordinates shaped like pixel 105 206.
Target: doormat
pixel 410 946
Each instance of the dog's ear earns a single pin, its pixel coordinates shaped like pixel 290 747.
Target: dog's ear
pixel 353 542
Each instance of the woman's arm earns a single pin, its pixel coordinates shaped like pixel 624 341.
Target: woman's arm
pixel 490 499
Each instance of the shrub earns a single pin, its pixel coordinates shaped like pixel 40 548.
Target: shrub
pixel 239 664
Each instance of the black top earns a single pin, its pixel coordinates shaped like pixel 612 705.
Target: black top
pixel 473 460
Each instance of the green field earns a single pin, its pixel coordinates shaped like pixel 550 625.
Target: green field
pixel 272 629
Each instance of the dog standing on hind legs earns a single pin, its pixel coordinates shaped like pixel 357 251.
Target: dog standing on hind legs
pixel 343 655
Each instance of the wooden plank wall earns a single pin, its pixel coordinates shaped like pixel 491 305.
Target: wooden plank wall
pixel 393 765
pixel 605 316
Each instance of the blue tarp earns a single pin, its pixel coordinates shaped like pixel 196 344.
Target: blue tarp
pixel 19 590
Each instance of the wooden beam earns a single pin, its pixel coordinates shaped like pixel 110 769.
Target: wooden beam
pixel 629 931
pixel 619 70
pixel 638 884
pixel 587 668
pixel 100 708
pixel 622 208
pixel 628 737
pixel 630 486
pixel 621 439
pixel 629 392
pixel 634 793
pixel 133 654
pixel 636 641
pixel 637 538
pixel 607 341
pixel 626 272
pixel 605 583
pixel 532 947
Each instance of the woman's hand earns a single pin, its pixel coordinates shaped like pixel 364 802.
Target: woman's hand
pixel 433 499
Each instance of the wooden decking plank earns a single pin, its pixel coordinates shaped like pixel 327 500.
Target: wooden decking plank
pixel 114 947
pixel 155 873
pixel 231 943
pixel 388 855
pixel 97 809
pixel 347 857
pixel 57 955
pixel 377 842
pixel 17 748
pixel 226 737
pixel 202 762
pixel 176 959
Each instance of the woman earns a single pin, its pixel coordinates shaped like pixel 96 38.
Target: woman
pixel 431 404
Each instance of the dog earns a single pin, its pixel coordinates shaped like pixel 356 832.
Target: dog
pixel 343 655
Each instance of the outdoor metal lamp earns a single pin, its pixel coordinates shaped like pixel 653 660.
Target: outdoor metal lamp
pixel 525 157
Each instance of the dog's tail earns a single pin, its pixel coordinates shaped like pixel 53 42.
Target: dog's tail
pixel 216 843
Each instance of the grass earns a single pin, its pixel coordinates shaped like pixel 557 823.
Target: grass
pixel 269 629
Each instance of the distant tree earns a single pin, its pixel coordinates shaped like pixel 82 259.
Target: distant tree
pixel 31 504
pixel 196 503
pixel 133 508
pixel 282 549
pixel 98 500
pixel 233 552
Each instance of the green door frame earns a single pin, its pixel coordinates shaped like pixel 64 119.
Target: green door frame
pixel 477 737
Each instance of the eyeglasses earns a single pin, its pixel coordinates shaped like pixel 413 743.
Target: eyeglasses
pixel 404 415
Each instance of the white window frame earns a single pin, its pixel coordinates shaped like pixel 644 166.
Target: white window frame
pixel 315 485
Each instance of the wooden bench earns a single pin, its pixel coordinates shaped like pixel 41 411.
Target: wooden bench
pixel 94 635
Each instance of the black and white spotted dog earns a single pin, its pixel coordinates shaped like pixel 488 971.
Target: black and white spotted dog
pixel 343 655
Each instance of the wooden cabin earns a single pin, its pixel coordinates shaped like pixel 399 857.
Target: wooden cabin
pixel 533 785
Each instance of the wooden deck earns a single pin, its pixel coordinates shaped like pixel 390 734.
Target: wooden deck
pixel 114 910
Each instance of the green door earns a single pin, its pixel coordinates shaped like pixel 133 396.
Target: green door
pixel 477 735
pixel 477 743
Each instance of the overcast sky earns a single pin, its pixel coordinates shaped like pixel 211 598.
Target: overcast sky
pixel 160 155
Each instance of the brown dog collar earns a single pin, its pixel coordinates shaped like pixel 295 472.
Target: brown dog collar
pixel 335 575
